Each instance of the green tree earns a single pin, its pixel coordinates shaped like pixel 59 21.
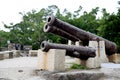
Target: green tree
pixel 87 21
pixel 110 26
pixel 30 30
pixel 4 37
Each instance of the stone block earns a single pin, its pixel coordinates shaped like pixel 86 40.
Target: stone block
pixel 33 52
pixel 101 56
pixel 101 51
pixel 93 62
pixel 6 56
pixel 53 60
pixel 80 62
pixel 78 43
pixel 41 59
pixel 56 60
pixel 1 56
pixel 114 58
pixel 11 55
pixel 70 42
pixel 77 61
pixel 16 53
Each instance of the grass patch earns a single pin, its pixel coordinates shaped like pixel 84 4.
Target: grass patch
pixel 77 66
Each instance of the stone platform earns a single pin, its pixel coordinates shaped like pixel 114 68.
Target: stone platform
pixel 72 75
pixel 25 68
pixel 111 71
pixel 108 71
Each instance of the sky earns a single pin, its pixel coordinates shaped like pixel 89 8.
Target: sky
pixel 9 9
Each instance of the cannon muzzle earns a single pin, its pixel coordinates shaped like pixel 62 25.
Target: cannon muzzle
pixel 57 31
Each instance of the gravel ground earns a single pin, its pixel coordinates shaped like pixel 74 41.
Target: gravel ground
pixel 19 62
pixel 22 68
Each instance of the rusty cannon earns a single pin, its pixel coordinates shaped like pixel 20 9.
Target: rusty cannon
pixel 75 34
pixel 71 50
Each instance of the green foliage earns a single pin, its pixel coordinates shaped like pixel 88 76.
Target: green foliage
pixel 87 21
pixel 4 37
pixel 30 30
pixel 77 66
pixel 110 26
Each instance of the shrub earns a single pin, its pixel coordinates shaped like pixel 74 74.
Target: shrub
pixel 77 66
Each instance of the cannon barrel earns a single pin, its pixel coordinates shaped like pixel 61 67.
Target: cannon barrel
pixel 77 55
pixel 71 49
pixel 57 31
pixel 84 36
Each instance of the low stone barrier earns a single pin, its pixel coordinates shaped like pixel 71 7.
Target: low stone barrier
pixel 16 53
pixel 9 54
pixel 33 52
pixel 6 54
